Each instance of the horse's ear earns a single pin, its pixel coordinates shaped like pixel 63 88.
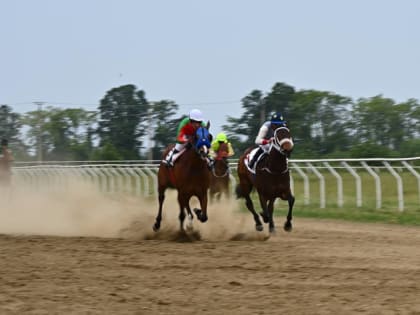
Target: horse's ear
pixel 208 125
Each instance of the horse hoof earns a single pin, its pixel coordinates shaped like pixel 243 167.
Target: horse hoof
pixel 156 227
pixel 259 228
pixel 272 230
pixel 203 218
pixel 288 226
pixel 197 212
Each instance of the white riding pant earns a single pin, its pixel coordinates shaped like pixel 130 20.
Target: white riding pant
pixel 180 146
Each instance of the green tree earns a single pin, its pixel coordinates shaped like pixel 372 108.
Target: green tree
pixel 63 132
pixel 257 109
pixel 10 127
pixel 321 123
pixel 122 116
pixel 9 124
pixel 107 152
pixel 68 133
pixel 382 121
pixel 165 126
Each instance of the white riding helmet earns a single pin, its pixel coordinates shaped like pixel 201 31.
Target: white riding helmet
pixel 197 115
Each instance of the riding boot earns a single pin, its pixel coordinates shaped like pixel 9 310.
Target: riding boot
pixel 168 160
pixel 255 158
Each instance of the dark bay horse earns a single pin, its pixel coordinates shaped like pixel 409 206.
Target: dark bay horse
pixel 271 180
pixel 220 179
pixel 190 176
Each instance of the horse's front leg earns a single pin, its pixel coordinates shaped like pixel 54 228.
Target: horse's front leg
pixel 288 224
pixel 161 198
pixel 270 209
pixel 183 204
pixel 263 203
pixel 189 217
pixel 202 213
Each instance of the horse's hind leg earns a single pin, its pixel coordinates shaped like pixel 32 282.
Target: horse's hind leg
pixel 288 224
pixel 258 224
pixel 244 190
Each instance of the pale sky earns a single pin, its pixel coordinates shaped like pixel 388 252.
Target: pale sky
pixel 205 54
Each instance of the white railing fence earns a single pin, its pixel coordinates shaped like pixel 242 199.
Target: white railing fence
pixel 321 183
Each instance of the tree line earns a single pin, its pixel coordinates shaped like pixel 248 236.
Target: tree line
pixel 324 125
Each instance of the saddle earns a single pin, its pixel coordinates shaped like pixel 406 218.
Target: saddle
pixel 249 157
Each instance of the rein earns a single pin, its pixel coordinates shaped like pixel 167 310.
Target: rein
pixel 226 173
pixel 277 145
pixel 282 152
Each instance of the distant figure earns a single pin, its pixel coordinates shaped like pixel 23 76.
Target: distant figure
pixel 221 150
pixel 215 145
pixel 6 159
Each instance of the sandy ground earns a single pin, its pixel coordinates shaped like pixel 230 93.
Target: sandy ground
pixel 84 253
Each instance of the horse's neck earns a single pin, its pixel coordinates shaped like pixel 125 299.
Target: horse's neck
pixel 220 167
pixel 192 159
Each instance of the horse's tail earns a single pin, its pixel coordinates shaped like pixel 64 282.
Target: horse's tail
pixel 238 191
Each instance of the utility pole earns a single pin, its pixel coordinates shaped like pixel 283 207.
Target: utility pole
pixel 39 134
pixel 149 134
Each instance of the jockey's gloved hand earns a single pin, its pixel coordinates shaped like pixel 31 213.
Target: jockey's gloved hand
pixel 188 146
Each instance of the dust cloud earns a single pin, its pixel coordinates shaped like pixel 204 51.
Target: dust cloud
pixel 82 210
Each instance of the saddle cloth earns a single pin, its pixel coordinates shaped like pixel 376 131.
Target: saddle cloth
pixel 248 159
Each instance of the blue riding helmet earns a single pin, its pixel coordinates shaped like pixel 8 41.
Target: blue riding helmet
pixel 277 120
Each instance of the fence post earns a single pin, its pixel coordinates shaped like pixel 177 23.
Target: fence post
pixel 399 185
pixel 358 183
pixel 377 184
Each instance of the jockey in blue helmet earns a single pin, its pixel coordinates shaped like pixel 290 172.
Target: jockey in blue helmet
pixel 266 134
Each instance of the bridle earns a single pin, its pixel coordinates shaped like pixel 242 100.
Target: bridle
pixel 226 173
pixel 277 145
pixel 202 143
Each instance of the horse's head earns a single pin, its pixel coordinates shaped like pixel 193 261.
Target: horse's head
pixel 202 141
pixel 283 142
pixel 223 151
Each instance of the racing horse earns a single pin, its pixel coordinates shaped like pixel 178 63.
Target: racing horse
pixel 271 179
pixel 219 184
pixel 190 176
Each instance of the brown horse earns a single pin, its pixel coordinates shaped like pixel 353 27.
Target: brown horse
pixel 271 179
pixel 219 184
pixel 190 176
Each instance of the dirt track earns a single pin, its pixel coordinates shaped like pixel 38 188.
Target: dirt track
pixel 84 265
pixel 319 268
